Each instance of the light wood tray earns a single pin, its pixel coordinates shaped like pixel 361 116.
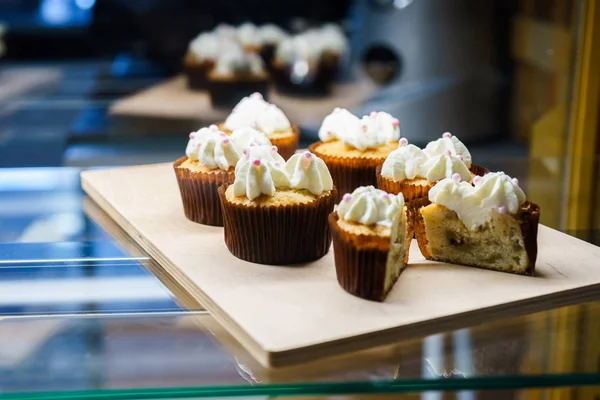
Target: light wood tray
pixel 288 315
pixel 173 100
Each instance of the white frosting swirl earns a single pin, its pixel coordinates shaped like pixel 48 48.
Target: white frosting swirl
pixel 444 166
pixel 234 60
pixel 245 137
pixel 248 35
pixel 370 206
pixel 255 112
pixel 449 143
pixel 261 171
pixel 332 39
pixel 226 31
pixel 475 205
pixel 271 34
pixel 212 149
pixel 404 163
pixel 298 48
pixel 307 171
pixel 335 124
pixel 205 46
pixel 383 125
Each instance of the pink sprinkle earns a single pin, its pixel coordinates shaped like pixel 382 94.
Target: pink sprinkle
pixel 403 142
pixel 447 135
pixel 256 162
pixel 448 152
pixel 192 135
pixel 456 177
pixel 308 154
pixel 222 134
pixel 373 114
pixel 275 149
pixel 347 198
pixel 277 164
pixel 460 157
pixel 225 141
pixel 502 210
pixel 245 151
pixel 385 196
pixel 395 122
pixel 476 180
pixel 516 181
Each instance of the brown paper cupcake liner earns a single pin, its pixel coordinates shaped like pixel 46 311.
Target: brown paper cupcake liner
pixel 277 235
pixel 197 73
pixel 529 221
pixel 360 261
pixel 286 146
pixel 409 190
pixel 199 193
pixel 348 173
pixel 479 170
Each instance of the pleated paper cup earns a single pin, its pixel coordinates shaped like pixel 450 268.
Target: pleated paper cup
pixel 348 173
pixel 199 193
pixel 279 234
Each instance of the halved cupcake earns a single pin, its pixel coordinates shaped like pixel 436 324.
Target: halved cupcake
pixel 487 224
pixel 253 111
pixel 210 160
pixel 371 240
pixel 275 212
pixel 352 148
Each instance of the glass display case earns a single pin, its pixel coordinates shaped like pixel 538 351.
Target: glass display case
pixel 85 313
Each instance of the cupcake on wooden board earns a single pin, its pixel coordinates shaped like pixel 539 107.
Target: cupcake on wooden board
pixel 210 160
pixel 237 73
pixel 298 68
pixel 200 60
pixel 276 212
pixel 371 240
pixel 353 148
pixel 266 117
pixel 487 224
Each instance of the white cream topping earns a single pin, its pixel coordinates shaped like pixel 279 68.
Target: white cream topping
pixel 226 31
pixel 255 112
pixel 333 39
pixel 212 149
pixel 370 206
pixel 404 163
pixel 450 143
pixel 300 48
pixel 493 193
pixel 263 171
pixel 337 123
pixel 307 171
pixel 383 125
pixel 248 35
pixel 271 34
pixel 234 60
pixel 205 46
pixel 444 166
pixel 245 137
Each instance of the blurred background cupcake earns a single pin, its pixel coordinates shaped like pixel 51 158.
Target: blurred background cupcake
pixel 237 73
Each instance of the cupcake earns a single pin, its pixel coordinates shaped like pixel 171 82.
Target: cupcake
pixel 254 111
pixel 487 224
pixel 371 239
pixel 352 148
pixel 237 73
pixel 270 36
pixel 248 36
pixel 276 212
pixel 413 172
pixel 334 44
pixel 200 60
pixel 298 68
pixel 210 160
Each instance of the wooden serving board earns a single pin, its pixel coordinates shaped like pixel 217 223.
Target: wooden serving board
pixel 173 100
pixel 288 315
